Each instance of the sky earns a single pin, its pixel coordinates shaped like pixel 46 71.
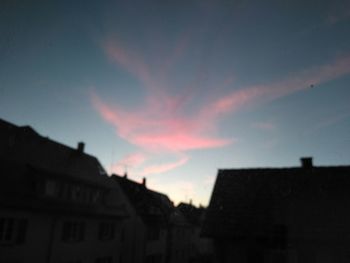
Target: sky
pixel 175 90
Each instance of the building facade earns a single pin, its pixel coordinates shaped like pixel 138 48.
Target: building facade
pixel 56 203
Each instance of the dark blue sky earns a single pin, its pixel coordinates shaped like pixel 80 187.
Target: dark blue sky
pixel 174 90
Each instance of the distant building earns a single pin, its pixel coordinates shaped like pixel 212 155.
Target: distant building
pixel 153 209
pixel 201 247
pixel 56 203
pixel 299 214
pixel 164 230
pixel 180 236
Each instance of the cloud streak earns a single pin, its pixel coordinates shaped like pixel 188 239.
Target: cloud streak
pixel 162 168
pixel 166 125
pixel 299 81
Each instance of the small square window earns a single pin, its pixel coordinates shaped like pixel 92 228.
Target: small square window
pixel 73 231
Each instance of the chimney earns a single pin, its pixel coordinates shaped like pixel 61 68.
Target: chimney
pixel 125 175
pixel 306 162
pixel 144 181
pixel 81 146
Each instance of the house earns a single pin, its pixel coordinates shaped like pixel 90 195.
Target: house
pixel 56 202
pixel 201 249
pixel 153 209
pixel 298 214
pixel 165 232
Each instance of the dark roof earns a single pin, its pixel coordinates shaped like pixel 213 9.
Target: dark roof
pixel 27 158
pixel 151 206
pixel 194 215
pixel 249 200
pixel 25 145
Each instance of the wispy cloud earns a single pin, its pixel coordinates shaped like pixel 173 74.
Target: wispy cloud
pixel 165 167
pixel 159 131
pixel 297 81
pixel 165 124
pixel 128 162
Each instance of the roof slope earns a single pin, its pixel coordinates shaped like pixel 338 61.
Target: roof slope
pixel 250 200
pixel 24 145
pixel 152 207
pixel 27 158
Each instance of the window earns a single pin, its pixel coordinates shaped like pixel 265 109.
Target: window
pixel 12 230
pixel 73 231
pixel 106 231
pixel 103 260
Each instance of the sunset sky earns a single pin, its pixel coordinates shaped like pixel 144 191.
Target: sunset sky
pixel 174 90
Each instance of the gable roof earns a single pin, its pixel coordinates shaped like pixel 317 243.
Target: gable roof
pixel 153 207
pixel 23 144
pixel 250 200
pixel 27 158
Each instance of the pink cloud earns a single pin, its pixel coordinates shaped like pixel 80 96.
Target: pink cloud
pixel 306 79
pixel 128 162
pixel 159 131
pixel 129 61
pixel 165 125
pixel 162 168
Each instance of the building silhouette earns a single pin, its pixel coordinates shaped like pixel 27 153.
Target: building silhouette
pixel 58 205
pixel 56 202
pixel 299 214
pixel 164 229
pixel 201 247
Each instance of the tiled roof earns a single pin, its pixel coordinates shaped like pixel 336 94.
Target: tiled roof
pixel 250 200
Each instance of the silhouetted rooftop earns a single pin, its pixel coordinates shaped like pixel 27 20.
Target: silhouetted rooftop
pixel 248 200
pixel 25 145
pixel 152 206
pixel 29 160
